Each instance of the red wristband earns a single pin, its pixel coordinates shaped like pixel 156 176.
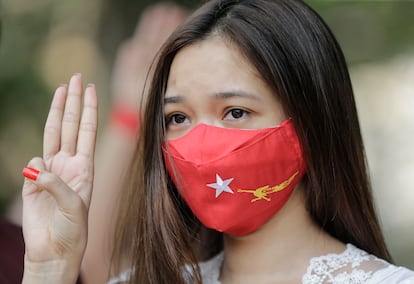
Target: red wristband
pixel 125 118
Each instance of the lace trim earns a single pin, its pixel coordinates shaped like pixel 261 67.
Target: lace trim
pixel 353 266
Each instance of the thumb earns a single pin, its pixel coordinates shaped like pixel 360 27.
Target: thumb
pixel 38 179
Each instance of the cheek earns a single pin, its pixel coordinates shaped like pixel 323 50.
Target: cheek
pixel 271 118
pixel 276 113
pixel 176 133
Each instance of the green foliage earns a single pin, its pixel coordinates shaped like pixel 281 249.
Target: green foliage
pixel 369 30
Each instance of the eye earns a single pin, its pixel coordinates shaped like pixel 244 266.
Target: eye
pixel 176 119
pixel 236 114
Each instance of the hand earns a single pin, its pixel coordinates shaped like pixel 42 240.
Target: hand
pixel 134 58
pixel 56 202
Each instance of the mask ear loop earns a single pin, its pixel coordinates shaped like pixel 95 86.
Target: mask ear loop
pixel 298 148
pixel 286 121
pixel 166 150
pixel 174 175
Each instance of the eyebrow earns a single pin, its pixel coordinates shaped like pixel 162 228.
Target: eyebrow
pixel 238 93
pixel 219 95
pixel 175 99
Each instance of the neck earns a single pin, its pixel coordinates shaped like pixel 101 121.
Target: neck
pixel 280 250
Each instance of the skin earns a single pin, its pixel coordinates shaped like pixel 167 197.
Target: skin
pixel 225 92
pixel 56 203
pixel 211 82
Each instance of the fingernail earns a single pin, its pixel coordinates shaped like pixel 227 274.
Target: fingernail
pixel 30 173
pixel 90 85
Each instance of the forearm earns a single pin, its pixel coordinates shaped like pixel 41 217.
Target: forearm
pixel 114 155
pixel 113 160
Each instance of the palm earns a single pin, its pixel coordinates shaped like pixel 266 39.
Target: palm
pixel 74 171
pixel 51 230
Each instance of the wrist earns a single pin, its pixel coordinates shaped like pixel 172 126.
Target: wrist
pixel 62 271
pixel 125 119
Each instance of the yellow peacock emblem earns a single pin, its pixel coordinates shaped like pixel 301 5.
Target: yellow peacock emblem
pixel 263 192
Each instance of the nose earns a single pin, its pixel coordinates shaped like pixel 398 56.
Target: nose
pixel 208 120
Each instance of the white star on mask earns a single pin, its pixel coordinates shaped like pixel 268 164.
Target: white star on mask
pixel 221 185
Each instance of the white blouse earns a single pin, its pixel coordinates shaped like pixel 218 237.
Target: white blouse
pixel 353 266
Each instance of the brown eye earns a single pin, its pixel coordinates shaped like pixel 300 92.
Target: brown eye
pixel 177 118
pixel 236 114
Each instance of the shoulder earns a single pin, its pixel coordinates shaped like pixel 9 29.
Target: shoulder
pixel 392 275
pixel 210 269
pixel 355 266
pixel 123 277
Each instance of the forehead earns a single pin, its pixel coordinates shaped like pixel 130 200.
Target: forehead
pixel 211 63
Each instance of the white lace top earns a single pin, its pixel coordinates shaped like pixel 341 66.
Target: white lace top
pixel 353 266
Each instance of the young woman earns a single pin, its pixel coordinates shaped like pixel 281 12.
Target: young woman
pixel 250 166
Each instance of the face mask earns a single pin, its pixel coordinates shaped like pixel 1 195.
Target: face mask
pixel 235 180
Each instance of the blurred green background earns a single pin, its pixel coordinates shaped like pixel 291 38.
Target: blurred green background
pixel 44 42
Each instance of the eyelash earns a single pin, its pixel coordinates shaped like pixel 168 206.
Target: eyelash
pixel 243 111
pixel 170 118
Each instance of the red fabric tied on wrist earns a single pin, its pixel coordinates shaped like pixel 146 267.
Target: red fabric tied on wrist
pixel 126 119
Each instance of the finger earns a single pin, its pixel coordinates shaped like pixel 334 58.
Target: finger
pixel 158 22
pixel 53 126
pixel 30 172
pixel 67 200
pixel 89 123
pixel 71 115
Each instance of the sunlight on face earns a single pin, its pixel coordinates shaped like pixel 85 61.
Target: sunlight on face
pixel 211 82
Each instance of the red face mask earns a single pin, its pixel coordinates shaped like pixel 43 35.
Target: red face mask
pixel 235 180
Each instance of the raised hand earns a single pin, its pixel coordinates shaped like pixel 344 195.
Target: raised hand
pixel 135 56
pixel 56 194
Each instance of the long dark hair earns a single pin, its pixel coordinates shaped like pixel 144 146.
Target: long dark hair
pixel 298 57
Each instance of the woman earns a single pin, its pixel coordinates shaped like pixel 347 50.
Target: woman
pixel 250 166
